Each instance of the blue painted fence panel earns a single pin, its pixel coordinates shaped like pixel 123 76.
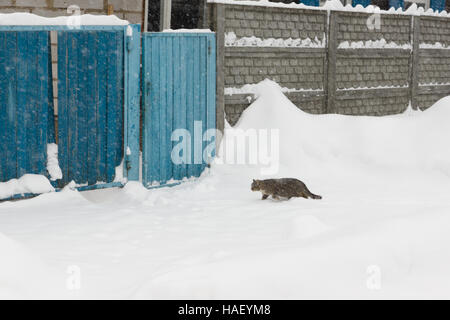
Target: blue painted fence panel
pixel 396 4
pixel 438 5
pixel 364 3
pixel 91 105
pixel 26 103
pixel 179 90
pixel 314 3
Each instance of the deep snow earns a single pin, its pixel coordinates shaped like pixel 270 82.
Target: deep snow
pixel 381 231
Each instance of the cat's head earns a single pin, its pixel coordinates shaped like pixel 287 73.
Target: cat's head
pixel 256 185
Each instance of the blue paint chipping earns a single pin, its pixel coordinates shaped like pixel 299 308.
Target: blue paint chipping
pixel 179 92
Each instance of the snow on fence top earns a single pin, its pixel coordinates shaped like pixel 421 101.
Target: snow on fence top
pixel 29 19
pixel 336 5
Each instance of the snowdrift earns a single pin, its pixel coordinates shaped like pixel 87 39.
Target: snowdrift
pixel 414 140
pixel 23 275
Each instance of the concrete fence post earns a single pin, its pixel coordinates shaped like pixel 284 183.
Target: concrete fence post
pixel 331 62
pixel 219 28
pixel 414 65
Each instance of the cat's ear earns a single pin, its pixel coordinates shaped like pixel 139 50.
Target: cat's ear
pixel 254 180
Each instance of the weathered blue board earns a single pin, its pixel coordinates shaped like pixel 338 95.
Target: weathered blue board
pixel 91 105
pixel 364 3
pixel 26 105
pixel 179 92
pixel 438 5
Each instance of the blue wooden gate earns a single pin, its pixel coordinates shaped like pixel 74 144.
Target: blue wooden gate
pixel 179 95
pixel 98 91
pixel 98 109
pixel 26 106
pixel 90 108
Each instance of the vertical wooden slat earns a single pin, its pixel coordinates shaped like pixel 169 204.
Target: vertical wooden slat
pixel 155 111
pixel 119 67
pixel 132 104
pixel 170 108
pixel 190 102
pixel 22 67
pixel 102 62
pixel 163 65
pixel 11 151
pixel 3 84
pixel 83 106
pixel 177 87
pixel 111 117
pixel 203 91
pixel 196 105
pixel 146 99
pixel 183 85
pixel 73 171
pixel 91 102
pixel 63 110
pixel 211 87
pixel 42 105
pixel 32 102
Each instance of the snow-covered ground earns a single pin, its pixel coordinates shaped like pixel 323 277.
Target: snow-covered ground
pixel 382 229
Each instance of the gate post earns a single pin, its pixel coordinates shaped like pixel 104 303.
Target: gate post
pixel 331 73
pixel 132 105
pixel 414 67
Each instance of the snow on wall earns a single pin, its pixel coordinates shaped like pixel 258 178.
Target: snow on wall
pixel 231 40
pixel 29 19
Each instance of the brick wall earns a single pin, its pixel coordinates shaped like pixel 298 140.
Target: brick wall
pixel 130 10
pixel 371 80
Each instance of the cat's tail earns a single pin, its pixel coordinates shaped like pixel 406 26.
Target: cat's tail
pixel 313 196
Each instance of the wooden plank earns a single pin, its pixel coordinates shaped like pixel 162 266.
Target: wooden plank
pixel 203 56
pixel 170 108
pixel 22 67
pixel 91 103
pixel 197 115
pixel 31 101
pixel 51 134
pixel 190 79
pixel 111 120
pixel 83 90
pixel 11 103
pixel 73 173
pixel 177 88
pixel 211 86
pixel 163 106
pixel 132 104
pixel 63 100
pixel 101 103
pixel 155 112
pixel 146 131
pixel 42 106
pixel 3 86
pixel 184 51
pixel 119 107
